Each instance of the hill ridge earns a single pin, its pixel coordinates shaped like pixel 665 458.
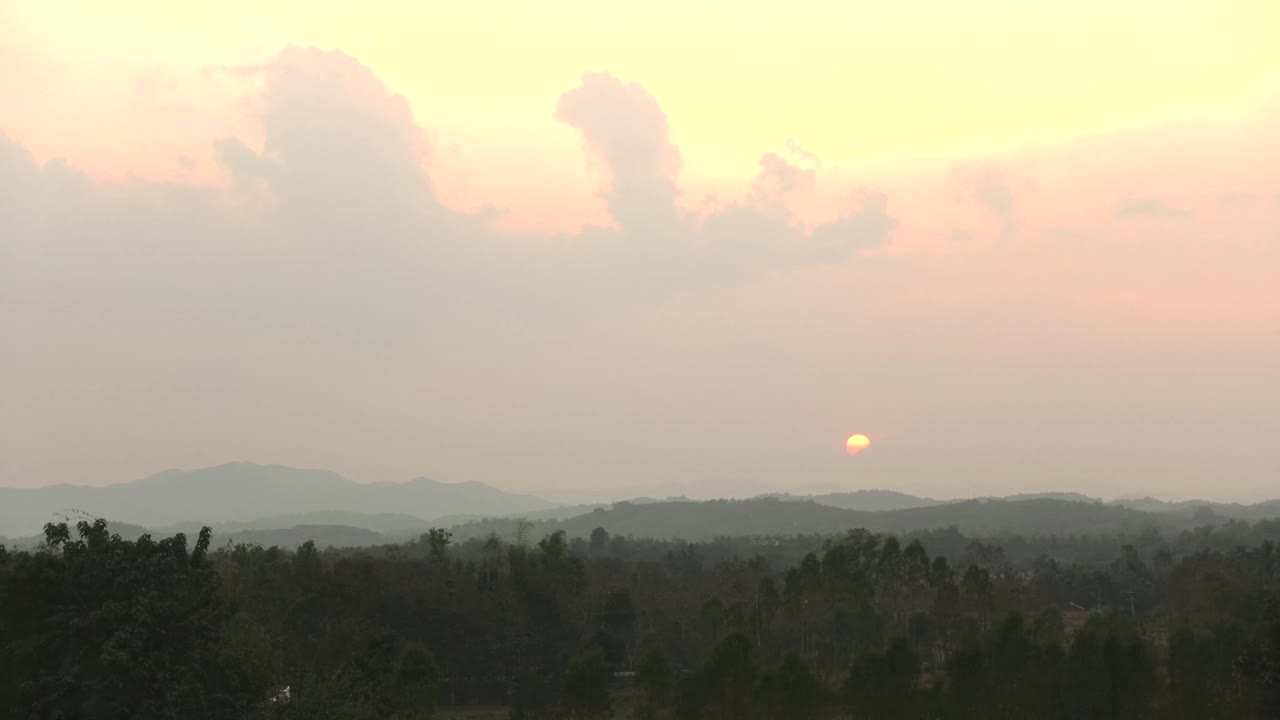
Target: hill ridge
pixel 241 491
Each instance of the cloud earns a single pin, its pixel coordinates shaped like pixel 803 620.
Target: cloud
pixel 340 152
pixel 867 225
pixel 760 234
pixel 1147 207
pixel 323 305
pixel 990 188
pixel 331 225
pixel 795 150
pixel 328 231
pixel 243 163
pixel 1237 199
pixel 626 129
pixel 778 178
pixel 19 181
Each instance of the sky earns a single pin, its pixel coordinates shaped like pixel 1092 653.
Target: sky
pixel 599 250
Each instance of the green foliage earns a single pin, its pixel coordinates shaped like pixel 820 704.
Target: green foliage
pixel 585 692
pixel 656 681
pixel 724 687
pixel 99 627
pixel 793 691
pixel 857 625
pixel 415 680
pixel 438 541
pixel 599 540
pixel 1110 671
pixel 883 684
pixel 253 657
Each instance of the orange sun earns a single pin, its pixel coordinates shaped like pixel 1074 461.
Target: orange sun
pixel 857 443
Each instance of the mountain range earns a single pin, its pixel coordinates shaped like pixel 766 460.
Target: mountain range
pixel 242 492
pixel 696 521
pixel 273 504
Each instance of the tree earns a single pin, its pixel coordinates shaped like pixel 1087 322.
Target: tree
pixel 793 691
pixel 438 545
pixel 977 585
pixel 724 688
pixel 1269 651
pixel 889 574
pixel 554 548
pixel 655 679
pixel 585 691
pixel 101 627
pixel 618 619
pixel 94 626
pixel 599 540
pixel 1191 673
pixel 968 678
pixel 921 630
pixel 416 678
pixel 810 575
pixel 883 684
pixel 711 620
pixel 915 571
pixel 1110 670
pixel 1025 670
pixel 252 655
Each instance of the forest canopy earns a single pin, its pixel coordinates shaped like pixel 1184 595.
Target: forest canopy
pixel 856 624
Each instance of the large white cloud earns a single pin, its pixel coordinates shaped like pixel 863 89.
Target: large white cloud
pixel 325 301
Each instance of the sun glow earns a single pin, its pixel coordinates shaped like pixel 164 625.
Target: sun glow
pixel 857 443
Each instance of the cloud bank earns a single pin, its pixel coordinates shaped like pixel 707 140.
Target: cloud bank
pixel 323 306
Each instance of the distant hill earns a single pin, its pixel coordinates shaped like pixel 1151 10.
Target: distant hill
pixel 1235 511
pixel 268 504
pixel 389 524
pixel 879 500
pixel 124 530
pixel 872 500
pixel 558 513
pixel 1068 496
pixel 290 538
pixel 693 521
pixel 773 516
pixel 240 492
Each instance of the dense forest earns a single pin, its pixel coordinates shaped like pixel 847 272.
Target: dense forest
pixel 851 625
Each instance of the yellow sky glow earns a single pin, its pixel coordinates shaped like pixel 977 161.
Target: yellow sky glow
pixel 855 83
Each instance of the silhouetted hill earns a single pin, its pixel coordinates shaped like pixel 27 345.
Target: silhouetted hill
pixel 876 500
pixel 1068 496
pixel 688 520
pixel 563 512
pixel 880 500
pixel 390 524
pixel 772 516
pixel 245 500
pixel 240 492
pixel 1204 508
pixel 871 500
pixel 124 530
pixel 292 537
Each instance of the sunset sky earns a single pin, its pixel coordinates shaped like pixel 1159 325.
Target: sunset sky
pixel 600 249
